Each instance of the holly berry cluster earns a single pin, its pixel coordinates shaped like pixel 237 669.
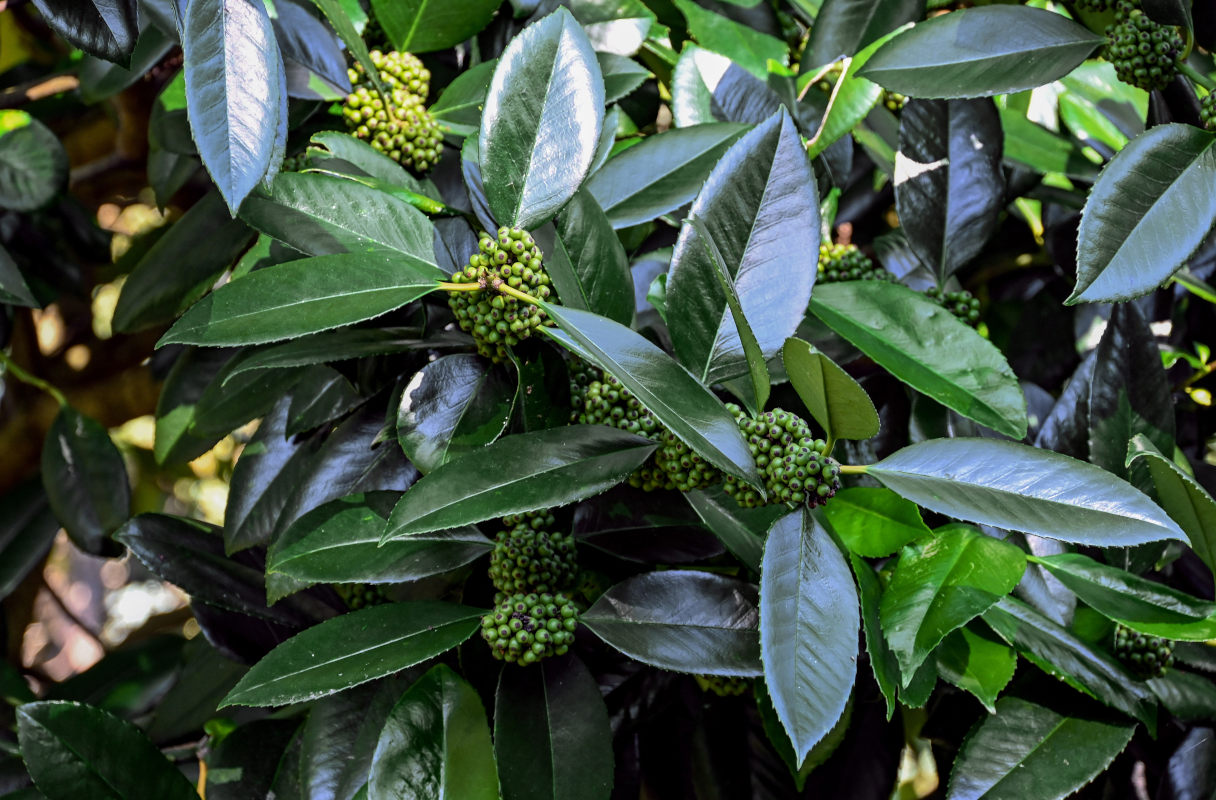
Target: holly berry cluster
pixel 845 262
pixel 529 556
pixel 524 628
pixel 360 595
pixel 684 469
pixel 1092 5
pixel 793 463
pixel 400 126
pixel 961 304
pixel 723 685
pixel 496 319
pixel 1207 111
pixel 1146 656
pixel 1142 51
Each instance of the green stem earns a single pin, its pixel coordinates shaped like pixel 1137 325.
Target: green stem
pixel 1196 76
pixel 15 369
pixel 497 284
pixel 854 469
pixel 517 294
pixel 460 287
pixel 831 445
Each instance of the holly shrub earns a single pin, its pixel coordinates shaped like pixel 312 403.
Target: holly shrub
pixel 629 398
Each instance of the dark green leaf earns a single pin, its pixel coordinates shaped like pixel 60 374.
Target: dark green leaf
pixel 353 649
pixel 1061 654
pixel 675 397
pixel 27 529
pixel 235 92
pixel 836 401
pixel 13 288
pixel 1183 499
pixel 322 215
pixel 74 751
pixel 127 681
pixel 708 87
pixel 303 297
pixel 621 75
pixel 1027 750
pixel 106 29
pixel 435 744
pixel 808 628
pixel 338 345
pixel 33 164
pixel 192 373
pixel 223 408
pixel 661 174
pixel 421 26
pixel 760 209
pixel 533 154
pixel 339 542
pixel 321 395
pixel 844 27
pixel 527 471
pixel 949 183
pixel 344 15
pixel 977 665
pixel 1021 488
pixel 312 54
pixel 100 79
pixel 982 52
pixel 643 526
pixel 243 763
pixel 350 156
pixel 940 584
pixel 1032 145
pixel 741 530
pixel 1186 695
pixel 874 522
pixel 1169 12
pixel 599 278
pixel 683 621
pixel 85 479
pixel 746 46
pixel 882 661
pixel 205 677
pixel 928 348
pixel 1147 213
pixel 454 405
pixel 552 739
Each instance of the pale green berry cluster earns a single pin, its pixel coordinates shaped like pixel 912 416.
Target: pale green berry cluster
pixel 792 462
pixel 1142 51
pixel 1207 111
pixel 360 595
pixel 724 685
pixel 295 163
pixel 683 468
pixel 524 628
pixel 844 262
pixel 894 101
pixel 403 129
pixel 1146 656
pixel 530 557
pixel 961 304
pixel 496 319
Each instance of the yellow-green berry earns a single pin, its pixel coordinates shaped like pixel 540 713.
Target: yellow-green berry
pixel 403 129
pixel 792 462
pixel 525 628
pixel 845 262
pixel 723 685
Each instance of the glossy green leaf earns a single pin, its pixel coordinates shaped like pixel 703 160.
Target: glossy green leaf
pixel 977 665
pixel 420 26
pixel 596 276
pixel 746 46
pixel 1169 12
pixel 349 157
pixel 204 678
pixel 845 27
pixel 235 92
pixel 808 628
pixel 435 744
pixel 661 174
pixel 1059 653
pixel 352 649
pixel 682 620
pixel 33 164
pixel 1101 110
pixel 523 472
pixel 741 530
pixel 708 87
pixel 836 401
pixel 339 542
pixel 982 52
pixel 194 371
pixel 453 405
pixel 949 180
pixel 1028 750
pixel 1032 145
pixel 1186 695
pixel 1183 499
pixel 666 389
pixel 541 121
pixel 941 583
pixel 322 215
pixel 85 480
pixel 73 751
pixel 243 763
pixel 462 100
pixel 321 395
pixel 614 26
pixel 312 53
pixel 104 29
pixel 1149 210
pixel 13 288
pixel 303 297
pixel 621 75
pixel 874 522
pixel 337 345
pixel 1022 488
pixel 926 347
pixel 760 209
pixel 552 739
pixel 27 529
pixel 883 663
pixel 181 266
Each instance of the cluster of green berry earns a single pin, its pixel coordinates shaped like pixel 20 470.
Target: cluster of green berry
pixel 961 304
pixel 894 101
pixel 723 685
pixel 360 595
pixel 684 469
pixel 1146 656
pixel 1142 51
pixel 844 262
pixel 498 320
pixel 793 463
pixel 1092 5
pixel 524 628
pixel 400 126
pixel 530 557
pixel 295 163
pixel 1207 111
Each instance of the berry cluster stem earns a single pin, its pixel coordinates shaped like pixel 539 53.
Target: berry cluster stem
pixel 854 469
pixel 11 367
pixel 1196 76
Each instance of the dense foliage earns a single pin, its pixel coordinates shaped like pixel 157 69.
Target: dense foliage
pixel 634 398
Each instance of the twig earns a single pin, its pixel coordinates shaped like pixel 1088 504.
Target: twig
pixel 36 90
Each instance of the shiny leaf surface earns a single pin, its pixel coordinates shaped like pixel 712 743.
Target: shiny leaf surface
pixel 836 401
pixel 85 479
